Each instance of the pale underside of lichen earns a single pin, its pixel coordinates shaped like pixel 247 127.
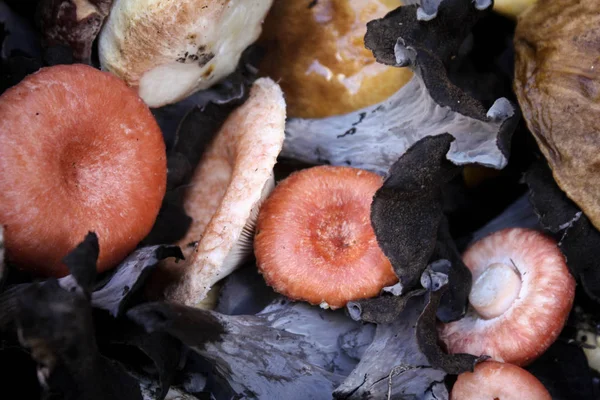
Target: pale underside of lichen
pixel 375 137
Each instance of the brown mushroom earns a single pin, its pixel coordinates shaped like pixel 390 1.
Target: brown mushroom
pixel 521 297
pixel 557 82
pixel 314 239
pixel 498 381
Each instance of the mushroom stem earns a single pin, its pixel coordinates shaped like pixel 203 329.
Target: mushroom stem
pixel 495 290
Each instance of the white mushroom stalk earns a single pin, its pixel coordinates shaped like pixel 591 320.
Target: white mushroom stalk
pixel 233 178
pixel 169 49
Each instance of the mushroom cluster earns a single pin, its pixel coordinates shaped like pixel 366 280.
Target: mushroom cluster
pixel 371 90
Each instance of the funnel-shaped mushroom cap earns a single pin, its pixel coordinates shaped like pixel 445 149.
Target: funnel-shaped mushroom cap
pixel 168 49
pixel 228 186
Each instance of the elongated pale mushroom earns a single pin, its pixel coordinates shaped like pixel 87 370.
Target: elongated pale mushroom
pixel 169 49
pixel 228 186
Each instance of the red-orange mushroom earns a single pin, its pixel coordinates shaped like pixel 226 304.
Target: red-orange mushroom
pixel 520 300
pixel 498 381
pixel 314 239
pixel 79 152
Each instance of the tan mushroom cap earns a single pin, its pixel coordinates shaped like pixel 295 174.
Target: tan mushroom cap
pixel 557 82
pixel 228 186
pixel 495 380
pixel 169 49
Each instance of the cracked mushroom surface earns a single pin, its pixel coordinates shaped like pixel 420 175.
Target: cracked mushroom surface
pixel 557 83
pixel 521 297
pixel 225 193
pixel 169 49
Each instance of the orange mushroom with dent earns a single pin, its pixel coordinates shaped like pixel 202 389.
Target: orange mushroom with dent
pixel 79 152
pixel 317 53
pixel 498 381
pixel 521 297
pixel 314 239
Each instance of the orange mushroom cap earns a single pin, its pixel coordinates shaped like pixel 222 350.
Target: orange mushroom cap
pixel 496 380
pixel 314 239
pixel 79 152
pixel 520 300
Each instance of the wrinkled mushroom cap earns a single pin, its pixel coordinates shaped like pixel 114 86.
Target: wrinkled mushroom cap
pixel 168 49
pixel 557 81
pixel 228 186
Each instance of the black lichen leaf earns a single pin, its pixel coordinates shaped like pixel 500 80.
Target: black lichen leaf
pixel 8 306
pixel 57 326
pixel 172 221
pixel 122 340
pixel 72 23
pixel 427 337
pixel 2 264
pixel 244 292
pixel 289 350
pixel 578 239
pixel 81 261
pixel 401 39
pixel 393 366
pixel 453 304
pixel 554 209
pixel 564 371
pixel 129 277
pixel 406 211
pixel 384 309
pixel 20 53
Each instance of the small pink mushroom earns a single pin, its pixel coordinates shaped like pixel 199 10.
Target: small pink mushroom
pixel 498 381
pixel 520 300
